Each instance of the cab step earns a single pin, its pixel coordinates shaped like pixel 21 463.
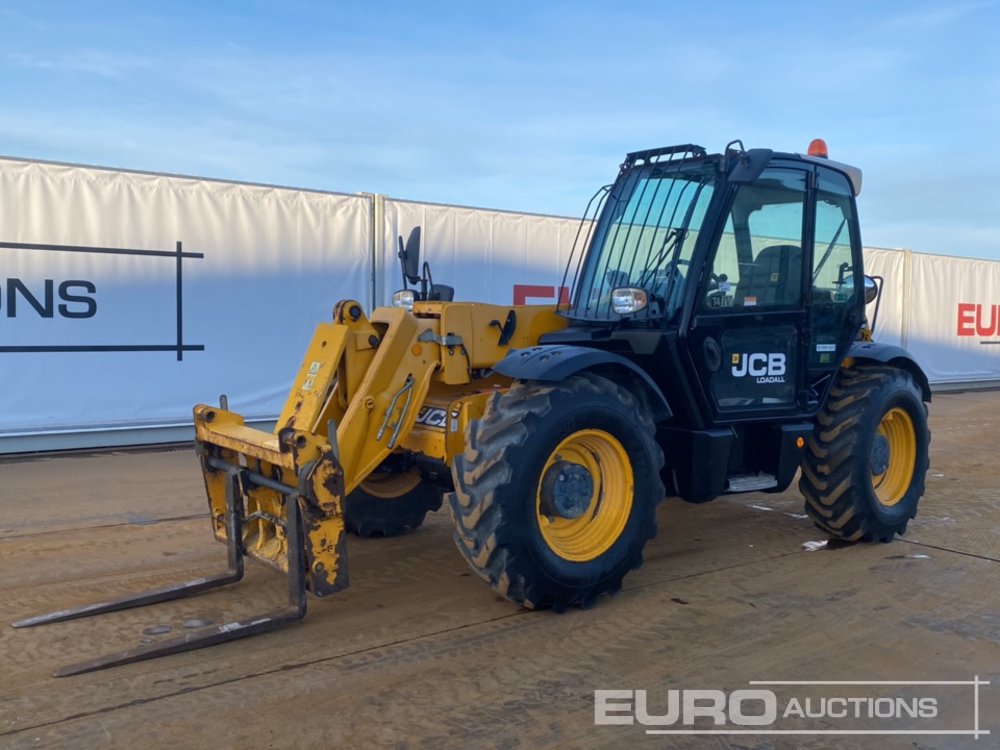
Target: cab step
pixel 750 482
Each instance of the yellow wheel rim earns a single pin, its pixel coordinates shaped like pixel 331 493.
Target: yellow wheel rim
pixel 389 485
pixel 591 534
pixel 897 430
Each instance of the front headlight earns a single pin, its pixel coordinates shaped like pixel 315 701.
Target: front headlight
pixel 403 298
pixel 629 299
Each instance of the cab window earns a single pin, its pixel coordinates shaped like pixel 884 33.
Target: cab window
pixel 758 261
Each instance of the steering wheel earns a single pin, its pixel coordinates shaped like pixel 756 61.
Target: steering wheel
pixel 652 280
pixel 649 275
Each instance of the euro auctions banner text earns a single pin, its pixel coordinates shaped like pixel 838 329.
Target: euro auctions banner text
pixel 127 298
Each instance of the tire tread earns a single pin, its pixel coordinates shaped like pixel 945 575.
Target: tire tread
pixel 488 462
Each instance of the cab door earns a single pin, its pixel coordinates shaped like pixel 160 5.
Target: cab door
pixel 837 306
pixel 749 324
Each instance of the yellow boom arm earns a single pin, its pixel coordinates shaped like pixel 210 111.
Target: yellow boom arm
pixel 354 401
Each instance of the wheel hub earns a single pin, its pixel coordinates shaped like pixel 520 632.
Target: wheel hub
pixel 567 489
pixel 880 455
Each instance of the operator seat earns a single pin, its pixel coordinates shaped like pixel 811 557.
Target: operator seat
pixel 773 279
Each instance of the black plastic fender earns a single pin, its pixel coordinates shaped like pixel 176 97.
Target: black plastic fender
pixel 556 362
pixel 889 354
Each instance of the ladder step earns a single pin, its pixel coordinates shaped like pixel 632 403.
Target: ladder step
pixel 751 482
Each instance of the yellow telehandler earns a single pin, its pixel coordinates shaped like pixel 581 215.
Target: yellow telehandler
pixel 715 341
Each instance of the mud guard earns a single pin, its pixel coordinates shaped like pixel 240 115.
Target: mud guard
pixel 889 354
pixel 555 362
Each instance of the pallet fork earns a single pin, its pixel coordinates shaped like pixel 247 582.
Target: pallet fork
pixel 237 482
pixel 292 481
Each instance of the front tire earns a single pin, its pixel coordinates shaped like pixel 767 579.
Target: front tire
pixel 556 491
pixel 863 471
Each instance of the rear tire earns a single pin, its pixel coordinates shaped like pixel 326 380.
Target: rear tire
pixel 390 503
pixel 556 491
pixel 863 471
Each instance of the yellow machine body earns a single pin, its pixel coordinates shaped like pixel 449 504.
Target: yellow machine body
pixel 397 381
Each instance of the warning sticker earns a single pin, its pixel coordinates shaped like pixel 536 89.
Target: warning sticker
pixel 314 367
pixel 749 302
pixel 826 347
pixel 308 384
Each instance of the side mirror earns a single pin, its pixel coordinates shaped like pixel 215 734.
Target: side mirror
pixel 749 165
pixel 871 290
pixel 409 255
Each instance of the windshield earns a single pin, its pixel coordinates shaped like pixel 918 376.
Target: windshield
pixel 644 238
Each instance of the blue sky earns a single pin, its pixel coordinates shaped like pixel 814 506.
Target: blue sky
pixel 521 106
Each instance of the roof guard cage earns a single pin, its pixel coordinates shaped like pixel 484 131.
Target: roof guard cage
pixel 655 155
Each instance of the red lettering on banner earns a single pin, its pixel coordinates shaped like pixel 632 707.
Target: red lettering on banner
pixel 966 311
pixel 972 319
pixel 989 330
pixel 523 291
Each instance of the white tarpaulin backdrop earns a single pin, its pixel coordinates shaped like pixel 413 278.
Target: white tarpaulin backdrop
pixel 92 279
pixel 484 254
pixel 944 310
pixel 889 264
pixel 260 267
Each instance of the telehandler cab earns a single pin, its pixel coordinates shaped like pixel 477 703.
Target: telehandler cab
pixel 715 341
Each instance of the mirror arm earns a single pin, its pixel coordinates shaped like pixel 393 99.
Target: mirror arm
pixel 426 282
pixel 402 261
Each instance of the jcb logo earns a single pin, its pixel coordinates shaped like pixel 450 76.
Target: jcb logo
pixel 431 416
pixel 766 368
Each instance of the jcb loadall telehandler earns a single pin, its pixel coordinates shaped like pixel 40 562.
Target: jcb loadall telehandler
pixel 714 341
